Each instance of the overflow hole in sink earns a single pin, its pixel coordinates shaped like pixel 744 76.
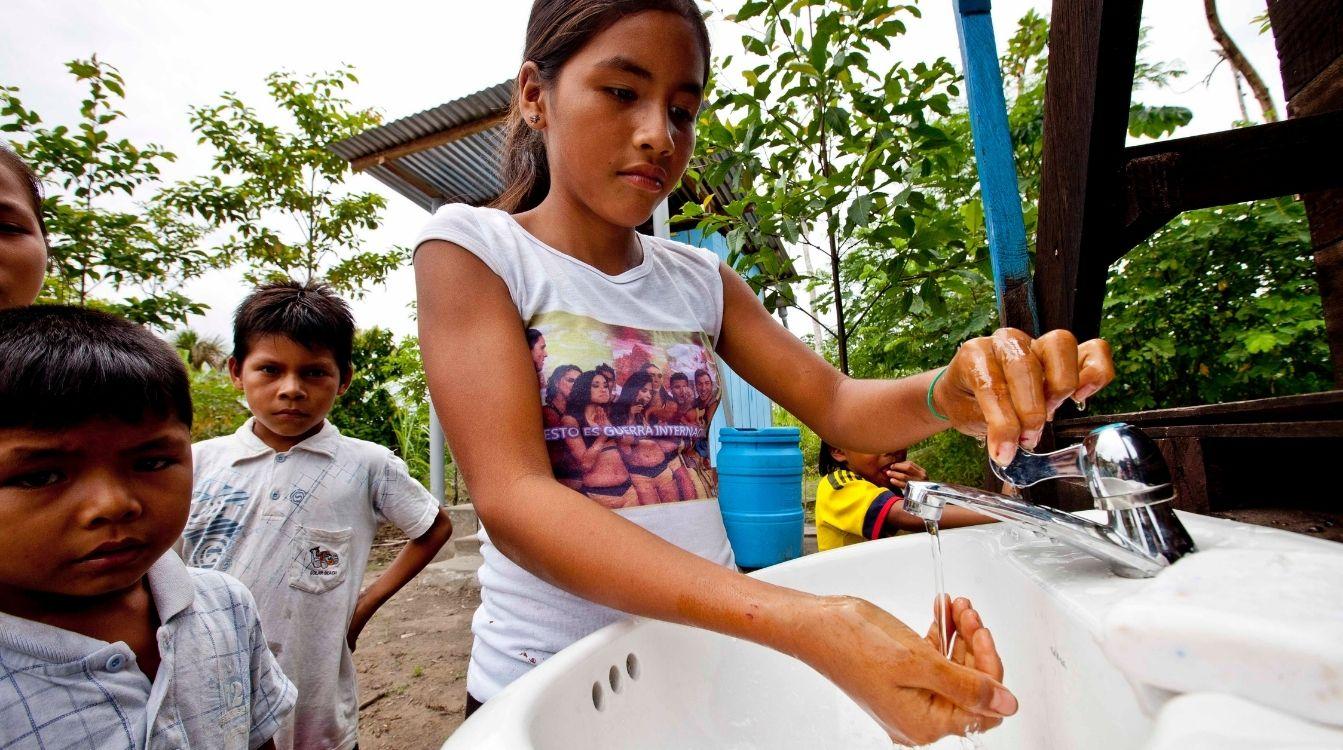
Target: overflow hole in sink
pixel 614 678
pixel 632 666
pixel 598 699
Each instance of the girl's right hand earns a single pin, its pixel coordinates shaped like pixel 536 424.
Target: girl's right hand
pixel 901 679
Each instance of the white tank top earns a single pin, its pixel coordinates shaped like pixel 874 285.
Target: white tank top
pixel 652 331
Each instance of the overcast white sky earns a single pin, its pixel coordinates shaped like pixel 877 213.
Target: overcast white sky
pixel 411 56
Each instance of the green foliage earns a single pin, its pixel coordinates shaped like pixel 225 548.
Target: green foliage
pixel 823 146
pixel 387 402
pixel 951 457
pixel 811 443
pixel 217 407
pixel 270 177
pixel 106 244
pixel 366 410
pixel 1219 305
pixel 411 426
pixel 201 351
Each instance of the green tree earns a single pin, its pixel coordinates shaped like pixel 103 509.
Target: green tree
pixel 367 409
pixel 900 339
pixel 111 245
pixel 278 190
pixel 201 352
pixel 1220 305
pixel 821 148
pixel 217 407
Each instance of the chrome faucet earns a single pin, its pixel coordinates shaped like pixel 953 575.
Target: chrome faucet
pixel 1127 477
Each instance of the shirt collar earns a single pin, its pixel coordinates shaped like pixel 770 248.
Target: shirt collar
pixel 324 442
pixel 171 586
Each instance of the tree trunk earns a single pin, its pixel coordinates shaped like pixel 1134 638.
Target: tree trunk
pixel 841 331
pixel 1239 62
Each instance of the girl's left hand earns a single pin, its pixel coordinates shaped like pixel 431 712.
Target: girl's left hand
pixel 1005 386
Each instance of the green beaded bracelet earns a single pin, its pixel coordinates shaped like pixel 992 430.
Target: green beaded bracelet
pixel 932 385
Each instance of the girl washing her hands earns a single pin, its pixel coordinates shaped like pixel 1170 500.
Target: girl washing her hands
pixel 601 130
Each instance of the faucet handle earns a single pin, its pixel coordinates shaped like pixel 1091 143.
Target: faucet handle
pixel 1123 468
pixel 1029 468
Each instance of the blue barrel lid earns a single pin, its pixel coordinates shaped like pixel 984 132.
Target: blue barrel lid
pixel 759 435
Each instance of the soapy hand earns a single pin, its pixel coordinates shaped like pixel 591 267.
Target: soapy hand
pixel 904 681
pixel 971 643
pixel 1005 386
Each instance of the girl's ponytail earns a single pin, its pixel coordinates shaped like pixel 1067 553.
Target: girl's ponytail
pixel 524 170
pixel 556 31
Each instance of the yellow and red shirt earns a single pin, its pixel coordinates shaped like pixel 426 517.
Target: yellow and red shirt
pixel 850 509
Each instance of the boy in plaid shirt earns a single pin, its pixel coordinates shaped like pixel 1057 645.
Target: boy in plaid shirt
pixel 107 640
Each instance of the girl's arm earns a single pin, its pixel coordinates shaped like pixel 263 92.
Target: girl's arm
pixel 468 327
pixel 1002 387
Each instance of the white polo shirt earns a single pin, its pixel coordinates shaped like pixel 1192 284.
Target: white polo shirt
pixel 217 685
pixel 296 528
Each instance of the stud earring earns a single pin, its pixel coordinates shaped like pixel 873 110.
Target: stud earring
pixel 534 119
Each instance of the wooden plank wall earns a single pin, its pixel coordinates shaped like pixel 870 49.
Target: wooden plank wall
pixel 1309 36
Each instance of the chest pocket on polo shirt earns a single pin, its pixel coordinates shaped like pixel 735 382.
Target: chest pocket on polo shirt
pixel 323 560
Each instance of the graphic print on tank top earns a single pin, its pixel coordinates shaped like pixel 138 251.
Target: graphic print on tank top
pixel 626 411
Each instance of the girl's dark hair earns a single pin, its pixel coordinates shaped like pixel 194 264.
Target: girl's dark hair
pixel 64 366
pixel 826 463
pixel 620 411
pixel 553 383
pixel 310 313
pixel 11 161
pixel 533 336
pixel 556 31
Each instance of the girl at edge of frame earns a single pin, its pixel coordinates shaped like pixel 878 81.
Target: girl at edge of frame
pixel 23 233
pixel 600 132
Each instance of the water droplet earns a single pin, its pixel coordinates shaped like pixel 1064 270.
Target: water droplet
pixel 1080 403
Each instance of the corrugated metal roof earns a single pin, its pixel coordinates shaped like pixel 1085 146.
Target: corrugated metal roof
pixel 464 170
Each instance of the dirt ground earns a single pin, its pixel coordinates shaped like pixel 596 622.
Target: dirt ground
pixel 412 660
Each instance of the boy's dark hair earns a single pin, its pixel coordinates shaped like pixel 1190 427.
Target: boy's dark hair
pixel 11 161
pixel 826 463
pixel 675 376
pixel 309 313
pixel 65 366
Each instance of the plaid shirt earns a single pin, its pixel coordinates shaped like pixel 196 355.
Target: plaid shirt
pixel 218 686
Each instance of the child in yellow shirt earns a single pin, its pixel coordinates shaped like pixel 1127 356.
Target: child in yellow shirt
pixel 861 497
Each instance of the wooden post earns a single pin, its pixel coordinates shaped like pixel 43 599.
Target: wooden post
pixel 1093 45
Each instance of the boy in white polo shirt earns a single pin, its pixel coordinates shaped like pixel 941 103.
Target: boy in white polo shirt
pixel 106 639
pixel 290 506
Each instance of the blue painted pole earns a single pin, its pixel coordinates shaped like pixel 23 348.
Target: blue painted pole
pixel 997 168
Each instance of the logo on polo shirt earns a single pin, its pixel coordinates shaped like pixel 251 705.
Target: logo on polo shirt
pixel 323 562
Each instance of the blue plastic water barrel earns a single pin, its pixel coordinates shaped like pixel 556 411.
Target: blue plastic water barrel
pixel 760 493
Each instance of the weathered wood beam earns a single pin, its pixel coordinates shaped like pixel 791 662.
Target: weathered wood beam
pixel 414 181
pixel 1092 49
pixel 1168 177
pixel 426 142
pixel 1327 405
pixel 1309 36
pixel 1329 274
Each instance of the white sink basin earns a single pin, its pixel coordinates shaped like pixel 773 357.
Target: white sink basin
pixel 647 684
